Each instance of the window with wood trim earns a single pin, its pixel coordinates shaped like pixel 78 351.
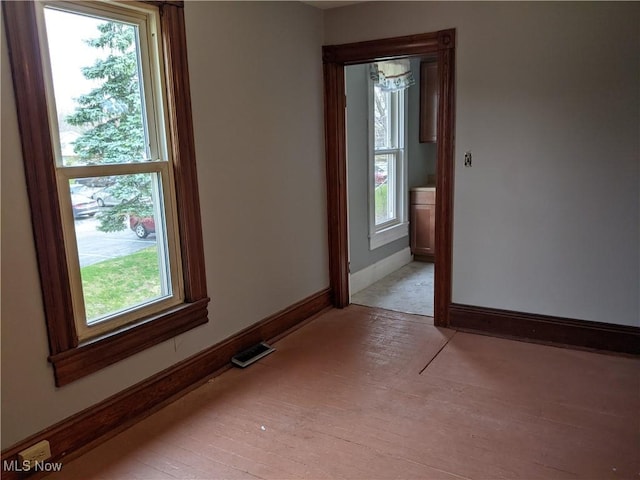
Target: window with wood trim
pixel 104 113
pixel 388 212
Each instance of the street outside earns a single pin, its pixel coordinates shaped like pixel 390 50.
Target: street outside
pixel 95 246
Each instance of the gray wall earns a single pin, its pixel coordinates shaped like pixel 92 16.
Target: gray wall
pixel 420 162
pixel 256 84
pixel 548 100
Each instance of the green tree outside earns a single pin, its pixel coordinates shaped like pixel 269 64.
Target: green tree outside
pixel 112 118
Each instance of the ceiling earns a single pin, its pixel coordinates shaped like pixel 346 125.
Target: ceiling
pixel 326 4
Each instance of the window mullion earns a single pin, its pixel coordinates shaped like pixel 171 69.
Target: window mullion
pixel 111 169
pixel 387 151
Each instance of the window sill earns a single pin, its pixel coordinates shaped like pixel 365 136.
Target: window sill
pixel 96 354
pixel 388 235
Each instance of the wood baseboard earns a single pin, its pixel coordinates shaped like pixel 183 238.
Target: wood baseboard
pixel 84 430
pixel 546 329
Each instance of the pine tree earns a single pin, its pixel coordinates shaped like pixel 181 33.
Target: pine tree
pixel 111 115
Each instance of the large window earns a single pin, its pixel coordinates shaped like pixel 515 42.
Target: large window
pixel 113 168
pixel 108 150
pixel 387 192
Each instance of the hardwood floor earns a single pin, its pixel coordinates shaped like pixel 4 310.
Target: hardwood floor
pixel 343 397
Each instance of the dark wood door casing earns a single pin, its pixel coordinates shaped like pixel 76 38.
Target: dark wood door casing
pixel 442 45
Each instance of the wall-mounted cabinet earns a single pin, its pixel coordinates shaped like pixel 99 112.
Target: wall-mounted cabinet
pixel 428 101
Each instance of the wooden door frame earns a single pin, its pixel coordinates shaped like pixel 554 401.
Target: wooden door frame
pixel 335 58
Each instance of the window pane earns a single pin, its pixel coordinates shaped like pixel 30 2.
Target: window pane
pixel 382 118
pixel 385 193
pixel 121 244
pixel 386 111
pixel 98 90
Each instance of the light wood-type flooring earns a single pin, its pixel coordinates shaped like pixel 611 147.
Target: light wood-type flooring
pixel 347 396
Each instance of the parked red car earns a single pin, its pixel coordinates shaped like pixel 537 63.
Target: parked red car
pixel 381 176
pixel 142 226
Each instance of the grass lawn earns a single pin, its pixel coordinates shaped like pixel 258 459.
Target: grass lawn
pixel 380 198
pixel 119 283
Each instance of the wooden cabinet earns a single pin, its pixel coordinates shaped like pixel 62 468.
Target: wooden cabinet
pixel 422 223
pixel 428 101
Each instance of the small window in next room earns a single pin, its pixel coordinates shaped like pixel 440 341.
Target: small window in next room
pixel 388 219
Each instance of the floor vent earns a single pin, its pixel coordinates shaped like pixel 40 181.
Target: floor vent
pixel 253 354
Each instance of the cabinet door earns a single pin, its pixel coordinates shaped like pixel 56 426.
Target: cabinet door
pixel 428 101
pixel 423 227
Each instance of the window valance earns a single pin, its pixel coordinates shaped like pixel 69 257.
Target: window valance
pixel 392 76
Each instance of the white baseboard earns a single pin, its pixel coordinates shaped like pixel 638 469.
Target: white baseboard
pixel 371 274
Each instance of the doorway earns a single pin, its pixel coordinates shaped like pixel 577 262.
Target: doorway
pixel 391 159
pixel 336 58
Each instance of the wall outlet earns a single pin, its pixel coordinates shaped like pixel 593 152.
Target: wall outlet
pixel 467 159
pixel 37 453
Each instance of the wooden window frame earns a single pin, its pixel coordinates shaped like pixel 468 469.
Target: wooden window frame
pixel 70 358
